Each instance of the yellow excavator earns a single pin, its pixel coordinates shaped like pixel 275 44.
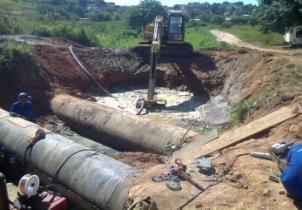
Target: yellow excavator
pixel 164 37
pixel 170 31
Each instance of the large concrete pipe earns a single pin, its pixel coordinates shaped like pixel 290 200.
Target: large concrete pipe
pixel 93 145
pixel 93 176
pixel 114 127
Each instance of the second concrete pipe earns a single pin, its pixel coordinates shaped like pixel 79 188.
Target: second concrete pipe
pixel 114 127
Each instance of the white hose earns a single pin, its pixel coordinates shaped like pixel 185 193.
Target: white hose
pixel 87 72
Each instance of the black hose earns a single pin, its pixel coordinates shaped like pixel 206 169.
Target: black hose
pixel 68 158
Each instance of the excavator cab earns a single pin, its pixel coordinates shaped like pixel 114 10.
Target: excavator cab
pixel 175 27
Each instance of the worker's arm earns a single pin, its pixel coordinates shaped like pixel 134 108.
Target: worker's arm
pixel 13 110
pixel 31 116
pixel 291 176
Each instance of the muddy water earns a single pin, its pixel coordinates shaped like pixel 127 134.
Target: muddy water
pixel 182 107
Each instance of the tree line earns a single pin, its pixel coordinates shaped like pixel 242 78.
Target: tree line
pixel 271 15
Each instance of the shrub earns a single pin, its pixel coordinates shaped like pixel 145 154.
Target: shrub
pixel 216 19
pixel 7 26
pixel 241 20
pixel 227 24
pixel 205 17
pixel 71 31
pixel 100 16
pixel 197 24
pixel 42 31
pixel 9 53
pixel 239 111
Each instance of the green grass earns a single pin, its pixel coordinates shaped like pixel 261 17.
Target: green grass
pixel 24 19
pixel 253 34
pixel 21 9
pixel 201 38
pixel 10 51
pixel 239 112
pixel 115 34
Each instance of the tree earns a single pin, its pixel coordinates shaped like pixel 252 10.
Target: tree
pixel 145 13
pixel 83 3
pixel 275 15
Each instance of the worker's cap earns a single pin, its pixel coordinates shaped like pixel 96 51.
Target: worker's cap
pixel 24 97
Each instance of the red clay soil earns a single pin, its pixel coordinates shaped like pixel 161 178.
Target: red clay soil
pixel 139 160
pixel 246 186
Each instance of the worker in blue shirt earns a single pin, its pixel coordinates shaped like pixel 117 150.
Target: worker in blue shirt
pixel 292 176
pixel 23 107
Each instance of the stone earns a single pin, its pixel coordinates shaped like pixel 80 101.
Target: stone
pixel 198 205
pixel 266 192
pixel 296 131
pixel 285 204
pixel 282 192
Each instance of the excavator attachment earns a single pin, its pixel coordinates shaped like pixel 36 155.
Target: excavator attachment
pixel 167 50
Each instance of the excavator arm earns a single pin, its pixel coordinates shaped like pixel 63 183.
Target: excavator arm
pixel 154 54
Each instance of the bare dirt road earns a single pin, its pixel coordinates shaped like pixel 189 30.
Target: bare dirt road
pixel 233 40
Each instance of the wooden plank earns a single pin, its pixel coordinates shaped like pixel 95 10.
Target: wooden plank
pixel 236 136
pixel 240 134
pixel 195 145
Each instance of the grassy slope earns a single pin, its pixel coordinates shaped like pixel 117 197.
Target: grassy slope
pixel 115 34
pixel 253 34
pixel 201 38
pixel 24 17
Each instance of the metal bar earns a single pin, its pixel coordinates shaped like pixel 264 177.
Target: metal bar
pixel 152 77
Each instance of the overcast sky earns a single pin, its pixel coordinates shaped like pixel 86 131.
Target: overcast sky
pixel 172 2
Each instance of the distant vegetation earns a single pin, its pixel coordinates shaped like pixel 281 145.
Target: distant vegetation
pixel 275 15
pixel 97 23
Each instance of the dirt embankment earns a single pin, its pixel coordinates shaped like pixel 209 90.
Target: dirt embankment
pixel 266 80
pixel 250 75
pixel 52 70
